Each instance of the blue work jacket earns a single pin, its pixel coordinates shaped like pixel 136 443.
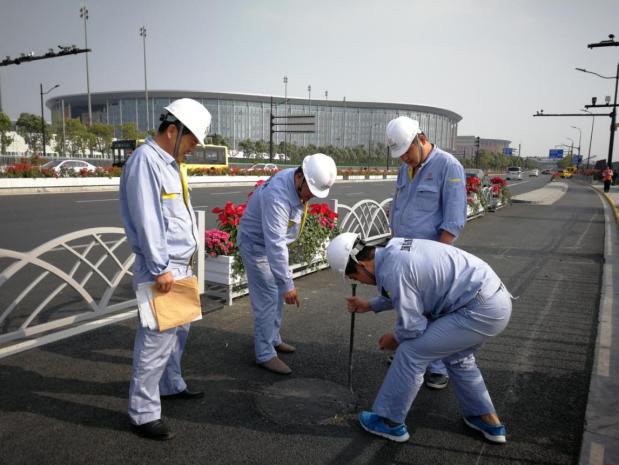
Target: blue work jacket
pixel 424 279
pixel 434 200
pixel 272 221
pixel 161 228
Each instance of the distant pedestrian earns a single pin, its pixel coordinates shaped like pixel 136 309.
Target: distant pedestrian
pixel 447 303
pixel 161 228
pixel 429 201
pixel 607 177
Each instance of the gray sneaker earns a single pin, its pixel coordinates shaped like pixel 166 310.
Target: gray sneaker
pixel 436 381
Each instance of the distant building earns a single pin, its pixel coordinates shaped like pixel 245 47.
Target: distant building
pixel 246 116
pixel 466 145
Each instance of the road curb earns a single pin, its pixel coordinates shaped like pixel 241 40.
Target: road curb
pixel 600 441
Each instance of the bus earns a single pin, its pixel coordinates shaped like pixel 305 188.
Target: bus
pixel 122 149
pixel 210 157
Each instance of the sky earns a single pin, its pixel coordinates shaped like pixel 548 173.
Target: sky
pixel 494 62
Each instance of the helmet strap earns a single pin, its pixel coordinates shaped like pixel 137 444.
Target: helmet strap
pixel 179 126
pixel 300 186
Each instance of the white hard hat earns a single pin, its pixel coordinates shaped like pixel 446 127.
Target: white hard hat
pixel 400 134
pixel 193 115
pixel 320 173
pixel 339 251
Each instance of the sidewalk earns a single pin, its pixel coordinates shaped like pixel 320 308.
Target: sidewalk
pixel 601 435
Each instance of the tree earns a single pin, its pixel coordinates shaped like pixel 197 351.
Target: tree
pixel 29 127
pixel 5 127
pixel 102 135
pixel 78 137
pixel 130 131
pixel 248 147
pixel 217 139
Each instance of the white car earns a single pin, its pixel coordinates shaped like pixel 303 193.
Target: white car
pixel 69 165
pixel 271 167
pixel 534 172
pixel 514 172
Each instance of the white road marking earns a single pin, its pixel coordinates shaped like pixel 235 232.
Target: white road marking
pixel 99 200
pixel 354 193
pixel 605 335
pixel 596 454
pixel 225 193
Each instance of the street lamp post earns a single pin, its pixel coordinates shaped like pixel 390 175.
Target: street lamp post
pixel 43 117
pixel 579 141
pixel 84 16
pixel 591 136
pixel 286 112
pixel 571 147
pixel 613 113
pixel 143 35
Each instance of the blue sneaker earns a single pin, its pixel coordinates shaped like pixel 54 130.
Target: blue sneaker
pixel 375 424
pixel 491 433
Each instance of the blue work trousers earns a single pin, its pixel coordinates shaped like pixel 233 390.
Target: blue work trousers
pixel 267 300
pixel 156 367
pixel 453 338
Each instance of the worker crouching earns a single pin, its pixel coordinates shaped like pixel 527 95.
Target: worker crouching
pixel 448 303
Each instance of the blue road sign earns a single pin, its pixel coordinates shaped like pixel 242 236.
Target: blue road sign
pixel 508 151
pixel 555 153
pixel 577 159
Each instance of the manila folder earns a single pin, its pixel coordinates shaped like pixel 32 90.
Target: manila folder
pixel 179 306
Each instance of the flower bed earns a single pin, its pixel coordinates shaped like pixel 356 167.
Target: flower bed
pixel 500 193
pixel 30 170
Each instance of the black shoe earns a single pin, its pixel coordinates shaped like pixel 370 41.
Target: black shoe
pixel 436 381
pixel 186 395
pixel 156 430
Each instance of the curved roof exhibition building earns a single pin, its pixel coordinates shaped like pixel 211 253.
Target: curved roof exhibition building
pixel 247 116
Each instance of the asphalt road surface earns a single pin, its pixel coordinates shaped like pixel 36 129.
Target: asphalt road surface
pixel 30 220
pixel 65 403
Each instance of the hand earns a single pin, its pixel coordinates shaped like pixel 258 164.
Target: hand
pixel 357 305
pixel 291 297
pixel 446 237
pixel 164 281
pixel 388 342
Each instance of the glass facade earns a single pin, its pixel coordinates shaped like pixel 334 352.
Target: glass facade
pixel 238 116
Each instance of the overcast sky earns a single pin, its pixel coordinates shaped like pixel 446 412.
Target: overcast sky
pixel 494 62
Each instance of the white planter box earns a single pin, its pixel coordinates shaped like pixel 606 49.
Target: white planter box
pixel 219 270
pixel 218 275
pixel 475 210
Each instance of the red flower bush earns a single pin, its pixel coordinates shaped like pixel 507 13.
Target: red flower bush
pixel 217 242
pixel 323 214
pixel 499 181
pixel 472 185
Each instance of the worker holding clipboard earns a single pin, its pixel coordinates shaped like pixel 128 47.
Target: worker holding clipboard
pixel 162 231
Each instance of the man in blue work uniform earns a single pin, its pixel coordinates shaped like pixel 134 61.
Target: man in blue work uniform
pixel 161 228
pixel 448 303
pixel 273 219
pixel 429 201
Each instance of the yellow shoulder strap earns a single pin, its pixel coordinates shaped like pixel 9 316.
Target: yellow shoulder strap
pixel 302 225
pixel 183 169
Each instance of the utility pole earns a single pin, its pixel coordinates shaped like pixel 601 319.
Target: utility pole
pixel 477 144
pixel 611 42
pixel 43 117
pixel 591 136
pixel 84 15
pixel 143 35
pixel 271 133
